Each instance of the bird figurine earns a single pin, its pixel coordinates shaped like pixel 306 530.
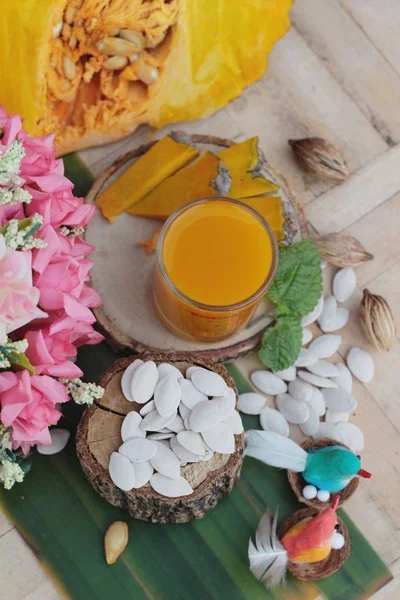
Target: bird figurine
pixel 329 468
pixel 310 540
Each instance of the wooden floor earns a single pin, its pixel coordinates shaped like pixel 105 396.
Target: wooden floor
pixel 335 75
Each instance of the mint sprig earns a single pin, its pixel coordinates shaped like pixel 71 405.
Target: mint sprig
pixel 297 286
pixel 296 289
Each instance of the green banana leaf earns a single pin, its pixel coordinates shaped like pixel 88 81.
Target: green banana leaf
pixel 64 521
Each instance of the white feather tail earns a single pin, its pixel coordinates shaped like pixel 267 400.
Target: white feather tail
pixel 275 450
pixel 268 558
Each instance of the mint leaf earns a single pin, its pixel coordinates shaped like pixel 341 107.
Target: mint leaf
pixel 281 344
pixel 297 286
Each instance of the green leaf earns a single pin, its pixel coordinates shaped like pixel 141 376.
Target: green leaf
pixel 25 464
pixel 19 362
pixel 297 286
pixel 281 344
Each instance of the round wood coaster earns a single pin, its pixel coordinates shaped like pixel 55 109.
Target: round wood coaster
pixel 323 568
pixel 99 434
pixel 122 272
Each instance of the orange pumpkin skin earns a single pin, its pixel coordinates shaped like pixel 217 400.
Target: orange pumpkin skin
pixel 194 57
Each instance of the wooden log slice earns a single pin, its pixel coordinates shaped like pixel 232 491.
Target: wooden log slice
pixel 99 435
pixel 323 568
pixel 123 273
pixel 298 483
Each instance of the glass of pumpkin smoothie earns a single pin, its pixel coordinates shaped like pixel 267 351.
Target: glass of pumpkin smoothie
pixel 216 257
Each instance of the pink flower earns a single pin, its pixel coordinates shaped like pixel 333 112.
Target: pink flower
pixel 28 407
pixel 76 332
pixel 48 354
pixel 18 298
pixel 59 207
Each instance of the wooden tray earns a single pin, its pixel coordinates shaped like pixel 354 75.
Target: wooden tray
pixel 122 271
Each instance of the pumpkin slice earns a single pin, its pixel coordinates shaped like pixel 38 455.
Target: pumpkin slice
pixel 162 160
pixel 244 162
pixel 92 71
pixel 206 177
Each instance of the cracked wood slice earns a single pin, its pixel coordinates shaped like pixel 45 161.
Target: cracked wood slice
pixel 99 434
pixel 123 272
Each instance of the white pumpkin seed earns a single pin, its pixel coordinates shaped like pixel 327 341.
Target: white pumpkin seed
pixel 190 394
pixel 131 427
pixel 182 453
pixel 336 417
pixel 191 441
pixel 69 68
pixel 167 395
pixel 339 400
pixel 317 401
pixel 177 425
pixel 115 63
pixel 184 411
pixel 147 408
pixel 344 378
pixel 138 450
pixel 59 439
pixel 287 374
pixel 160 435
pixel 300 390
pixel 208 382
pixel 57 29
pixel 324 368
pixel 154 421
pixel 132 36
pixel 251 403
pixel 234 422
pixel 307 336
pixel 205 416
pixel 114 46
pixel 273 420
pixel 172 488
pixel 121 471
pixel 325 345
pixel 314 314
pixel 220 439
pixel 310 427
pixel 306 357
pixel 144 381
pixel 147 74
pixel 338 321
pixel 143 472
pixel 328 312
pixel 361 364
pixel 126 379
pixel 354 436
pixel 191 370
pixel 166 462
pixel 344 284
pixel 321 382
pixel 227 403
pixel 294 411
pixel 166 368
pixel 331 431
pixel 268 383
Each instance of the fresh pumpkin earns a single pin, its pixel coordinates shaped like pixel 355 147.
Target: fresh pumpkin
pixel 93 70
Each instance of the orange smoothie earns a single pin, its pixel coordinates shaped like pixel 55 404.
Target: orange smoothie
pixel 215 260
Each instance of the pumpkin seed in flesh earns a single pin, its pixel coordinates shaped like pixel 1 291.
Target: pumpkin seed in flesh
pixel 147 74
pixel 133 37
pixel 115 46
pixel 69 68
pixel 115 63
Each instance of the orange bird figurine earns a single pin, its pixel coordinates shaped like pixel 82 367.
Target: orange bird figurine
pixel 310 540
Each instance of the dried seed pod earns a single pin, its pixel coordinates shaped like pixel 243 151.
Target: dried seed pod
pixel 342 250
pixel 115 541
pixel 319 158
pixel 378 322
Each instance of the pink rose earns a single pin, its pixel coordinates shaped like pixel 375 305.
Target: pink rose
pixel 75 332
pixel 49 353
pixel 28 407
pixel 59 206
pixel 18 298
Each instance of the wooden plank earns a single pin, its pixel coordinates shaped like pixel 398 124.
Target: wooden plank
pixel 297 98
pixel 378 230
pixel 353 61
pixel 380 21
pixel 46 591
pixel 392 590
pixel 343 205
pixel 21 573
pixel 5 524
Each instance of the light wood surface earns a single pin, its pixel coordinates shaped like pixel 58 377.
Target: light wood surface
pixel 335 75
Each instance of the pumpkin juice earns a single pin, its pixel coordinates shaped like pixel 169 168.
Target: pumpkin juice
pixel 215 259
